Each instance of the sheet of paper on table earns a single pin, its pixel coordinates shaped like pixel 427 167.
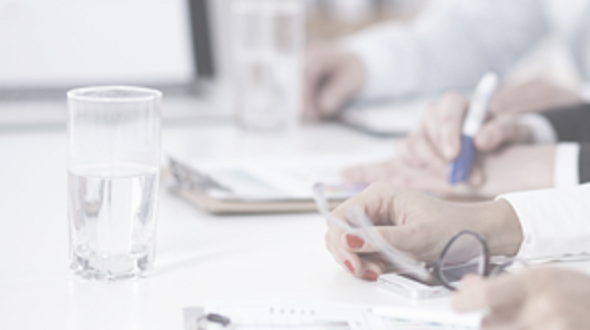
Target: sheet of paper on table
pixel 326 317
pixel 264 184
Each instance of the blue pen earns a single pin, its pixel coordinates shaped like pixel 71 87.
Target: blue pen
pixel 480 102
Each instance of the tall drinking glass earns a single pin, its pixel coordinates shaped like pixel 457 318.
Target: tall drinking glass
pixel 113 178
pixel 267 46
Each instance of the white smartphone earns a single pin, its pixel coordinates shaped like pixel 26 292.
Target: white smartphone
pixel 411 288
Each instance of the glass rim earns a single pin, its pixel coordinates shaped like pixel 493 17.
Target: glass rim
pixel 81 94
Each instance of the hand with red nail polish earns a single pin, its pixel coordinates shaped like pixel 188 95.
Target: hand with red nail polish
pixel 419 225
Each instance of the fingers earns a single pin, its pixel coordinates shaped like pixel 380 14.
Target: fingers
pixel 495 294
pixel 394 171
pixel 500 130
pixel 535 298
pixel 503 320
pixel 438 140
pixel 443 124
pixel 477 177
pixel 332 77
pixel 368 266
pixel 418 151
pixel 346 259
pixel 398 173
pixel 369 173
pixel 338 89
pixel 400 237
pixel 356 174
pixel 316 67
pixel 375 201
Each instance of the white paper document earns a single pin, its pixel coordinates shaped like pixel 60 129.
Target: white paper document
pixel 272 179
pixel 324 317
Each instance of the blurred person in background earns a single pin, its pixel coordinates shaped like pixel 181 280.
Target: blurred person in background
pixel 451 46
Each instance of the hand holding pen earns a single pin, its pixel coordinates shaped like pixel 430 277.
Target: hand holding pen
pixel 455 129
pixel 505 159
pixel 462 166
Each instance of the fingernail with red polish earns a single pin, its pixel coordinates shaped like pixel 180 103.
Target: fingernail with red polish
pixel 354 242
pixel 370 275
pixel 349 266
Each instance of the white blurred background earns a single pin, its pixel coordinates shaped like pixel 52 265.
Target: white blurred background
pixel 47 44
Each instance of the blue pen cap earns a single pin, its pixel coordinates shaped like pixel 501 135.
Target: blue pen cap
pixel 461 167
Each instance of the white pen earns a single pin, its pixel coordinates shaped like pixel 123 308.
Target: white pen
pixel 480 102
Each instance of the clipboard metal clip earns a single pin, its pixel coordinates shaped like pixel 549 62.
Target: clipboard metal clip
pixel 188 178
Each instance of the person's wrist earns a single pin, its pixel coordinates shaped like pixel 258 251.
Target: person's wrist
pixel 499 226
pixel 517 168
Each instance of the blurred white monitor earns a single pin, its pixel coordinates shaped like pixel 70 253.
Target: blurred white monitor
pixel 60 44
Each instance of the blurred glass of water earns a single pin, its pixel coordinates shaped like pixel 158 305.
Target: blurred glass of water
pixel 113 178
pixel 267 42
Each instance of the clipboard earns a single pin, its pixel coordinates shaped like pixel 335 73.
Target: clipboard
pixel 208 194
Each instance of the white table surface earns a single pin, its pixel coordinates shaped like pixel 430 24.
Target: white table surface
pixel 200 258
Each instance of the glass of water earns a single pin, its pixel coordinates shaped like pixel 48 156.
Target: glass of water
pixel 267 38
pixel 113 178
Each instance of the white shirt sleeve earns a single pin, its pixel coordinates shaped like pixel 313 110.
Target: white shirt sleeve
pixel 584 92
pixel 450 46
pixel 566 169
pixel 555 223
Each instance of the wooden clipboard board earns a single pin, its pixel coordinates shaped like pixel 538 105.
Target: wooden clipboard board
pixel 213 205
pixel 217 206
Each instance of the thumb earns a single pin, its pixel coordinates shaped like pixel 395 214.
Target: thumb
pixel 497 132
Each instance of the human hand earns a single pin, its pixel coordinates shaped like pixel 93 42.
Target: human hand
pixel 535 298
pixel 532 96
pixel 332 77
pixel 418 225
pixel 437 141
pixel 514 168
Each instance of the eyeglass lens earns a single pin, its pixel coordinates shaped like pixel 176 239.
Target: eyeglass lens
pixel 464 255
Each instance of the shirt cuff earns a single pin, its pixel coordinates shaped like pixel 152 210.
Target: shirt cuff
pixel 541 129
pixel 554 222
pixel 566 169
pixel 584 93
